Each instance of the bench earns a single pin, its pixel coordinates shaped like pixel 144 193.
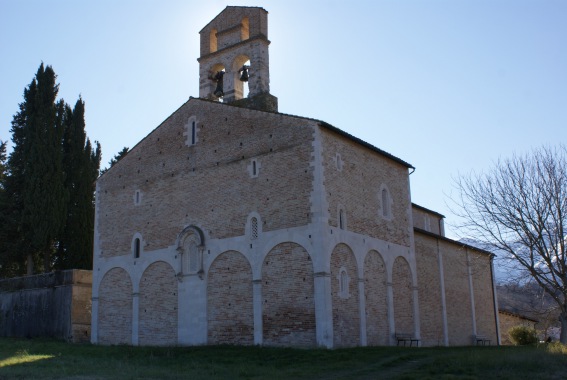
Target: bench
pixel 481 340
pixel 405 337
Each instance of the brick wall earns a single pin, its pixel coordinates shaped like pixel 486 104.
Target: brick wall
pixel 429 285
pixel 158 306
pixel 346 317
pixel 377 330
pixel 230 317
pixel 483 296
pixel 355 186
pixel 287 297
pixel 182 185
pixel 115 308
pixel 403 300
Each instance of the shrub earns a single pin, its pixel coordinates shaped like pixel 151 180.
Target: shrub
pixel 522 335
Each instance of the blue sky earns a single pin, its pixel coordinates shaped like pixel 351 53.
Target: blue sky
pixel 449 86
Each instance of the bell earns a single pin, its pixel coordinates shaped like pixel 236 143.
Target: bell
pixel 244 75
pixel 219 93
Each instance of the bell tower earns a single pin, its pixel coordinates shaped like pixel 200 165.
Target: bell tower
pixel 234 55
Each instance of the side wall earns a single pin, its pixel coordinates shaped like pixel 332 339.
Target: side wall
pixel 452 311
pixel 200 181
pixel 54 305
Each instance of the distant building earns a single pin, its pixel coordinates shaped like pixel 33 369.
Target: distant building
pixel 231 223
pixel 509 319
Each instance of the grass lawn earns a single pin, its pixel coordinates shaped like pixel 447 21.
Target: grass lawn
pixel 49 359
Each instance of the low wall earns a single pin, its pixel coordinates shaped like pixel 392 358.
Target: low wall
pixel 56 304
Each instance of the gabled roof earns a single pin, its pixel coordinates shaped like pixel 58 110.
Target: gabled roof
pixel 331 128
pixel 427 210
pixel 320 122
pixel 446 239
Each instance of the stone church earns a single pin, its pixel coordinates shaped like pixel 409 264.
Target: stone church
pixel 232 223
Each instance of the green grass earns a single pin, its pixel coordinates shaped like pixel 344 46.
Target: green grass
pixel 49 359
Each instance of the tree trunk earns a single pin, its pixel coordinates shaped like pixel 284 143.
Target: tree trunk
pixel 563 335
pixel 30 264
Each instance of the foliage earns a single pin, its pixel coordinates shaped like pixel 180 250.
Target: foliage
pixel 48 183
pixel 519 209
pixel 117 157
pixel 43 359
pixel 522 335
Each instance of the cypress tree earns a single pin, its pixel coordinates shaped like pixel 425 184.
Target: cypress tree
pixel 38 197
pixel 81 167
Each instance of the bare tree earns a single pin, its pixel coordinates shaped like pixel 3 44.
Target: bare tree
pixel 519 207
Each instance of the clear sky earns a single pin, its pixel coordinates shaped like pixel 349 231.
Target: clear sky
pixel 446 85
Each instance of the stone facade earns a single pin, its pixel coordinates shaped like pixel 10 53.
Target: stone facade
pixel 235 225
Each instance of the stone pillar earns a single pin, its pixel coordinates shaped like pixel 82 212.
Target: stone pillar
pixel 94 320
pixel 135 317
pixel 323 309
pixel 257 302
pixel 391 319
pixel 443 300
pixel 362 311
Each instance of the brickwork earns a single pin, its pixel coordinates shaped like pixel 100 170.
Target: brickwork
pixel 427 220
pixel 287 297
pixel 257 20
pixel 229 300
pixel 346 316
pixel 115 308
pixel 483 296
pixel 429 285
pixel 375 289
pixel 158 306
pixel 228 138
pixel 457 294
pixel 403 300
pixel 356 187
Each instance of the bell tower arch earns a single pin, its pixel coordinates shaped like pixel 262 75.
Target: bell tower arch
pixel 234 54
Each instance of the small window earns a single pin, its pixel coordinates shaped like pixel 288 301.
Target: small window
pixel 136 248
pixel 191 131
pixel 254 228
pixel 339 162
pixel 341 219
pixel 254 168
pixel 137 197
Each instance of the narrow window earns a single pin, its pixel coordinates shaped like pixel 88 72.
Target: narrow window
pixel 344 282
pixel 136 248
pixel 254 171
pixel 386 208
pixel 137 197
pixel 254 228
pixel 193 133
pixel 213 41
pixel 341 220
pixel 245 29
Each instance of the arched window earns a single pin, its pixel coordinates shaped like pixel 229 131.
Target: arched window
pixel 343 283
pixel 137 246
pixel 385 203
